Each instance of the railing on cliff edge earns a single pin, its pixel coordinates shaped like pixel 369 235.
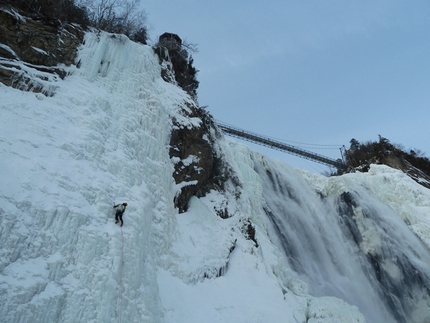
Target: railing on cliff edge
pixel 278 145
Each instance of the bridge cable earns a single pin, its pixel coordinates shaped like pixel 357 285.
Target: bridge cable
pixel 298 143
pixel 275 144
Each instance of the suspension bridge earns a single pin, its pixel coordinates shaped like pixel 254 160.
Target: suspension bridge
pixel 279 145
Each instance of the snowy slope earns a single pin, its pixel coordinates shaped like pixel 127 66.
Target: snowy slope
pixel 103 139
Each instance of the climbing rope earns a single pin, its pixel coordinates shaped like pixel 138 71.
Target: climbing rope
pixel 120 279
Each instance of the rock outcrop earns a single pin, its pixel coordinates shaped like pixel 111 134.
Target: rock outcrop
pixel 198 166
pixel 33 52
pixel 177 63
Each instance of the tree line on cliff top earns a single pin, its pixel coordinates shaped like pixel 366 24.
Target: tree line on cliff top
pixel 363 154
pixel 115 16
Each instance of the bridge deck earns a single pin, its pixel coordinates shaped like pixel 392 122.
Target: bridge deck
pixel 274 144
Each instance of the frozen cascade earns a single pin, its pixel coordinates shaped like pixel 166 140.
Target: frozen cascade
pixel 68 158
pixel 348 244
pixel 103 137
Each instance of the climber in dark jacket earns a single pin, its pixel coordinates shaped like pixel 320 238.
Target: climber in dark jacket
pixel 119 212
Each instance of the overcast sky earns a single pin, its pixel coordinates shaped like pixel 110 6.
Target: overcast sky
pixel 318 72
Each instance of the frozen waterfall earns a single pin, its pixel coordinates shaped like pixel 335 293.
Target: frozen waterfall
pixel 345 249
pixel 347 243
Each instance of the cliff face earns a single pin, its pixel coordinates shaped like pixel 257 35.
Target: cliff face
pixel 33 57
pixel 199 165
pixel 31 48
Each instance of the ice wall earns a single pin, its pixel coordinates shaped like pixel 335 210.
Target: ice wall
pixel 65 160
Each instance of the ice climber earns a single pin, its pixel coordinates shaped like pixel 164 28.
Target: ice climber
pixel 120 209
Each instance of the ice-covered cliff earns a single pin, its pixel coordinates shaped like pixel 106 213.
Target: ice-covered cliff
pixel 292 246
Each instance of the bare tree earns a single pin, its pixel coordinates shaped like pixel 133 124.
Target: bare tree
pixel 117 16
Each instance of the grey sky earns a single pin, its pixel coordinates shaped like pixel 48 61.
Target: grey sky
pixel 319 72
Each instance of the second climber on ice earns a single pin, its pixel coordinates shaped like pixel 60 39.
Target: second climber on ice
pixel 120 209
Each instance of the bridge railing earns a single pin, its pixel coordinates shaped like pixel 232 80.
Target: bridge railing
pixel 278 145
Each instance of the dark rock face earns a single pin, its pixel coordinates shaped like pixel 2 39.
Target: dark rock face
pixel 198 167
pixel 177 63
pixel 194 160
pixel 40 46
pixel 171 41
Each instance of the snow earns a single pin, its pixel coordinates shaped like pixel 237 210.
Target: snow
pixel 101 136
pixel 8 49
pixel 14 14
pixel 41 51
